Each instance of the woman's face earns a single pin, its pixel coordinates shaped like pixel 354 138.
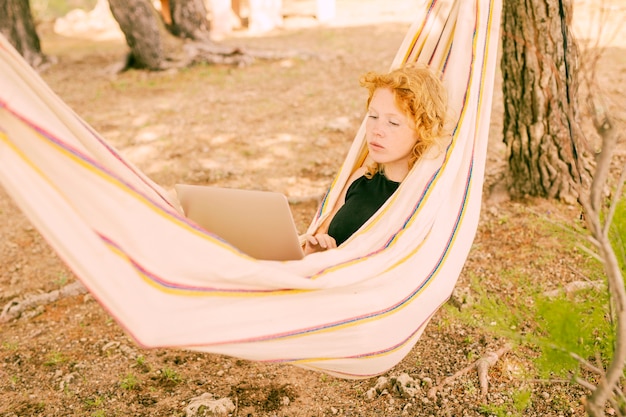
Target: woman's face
pixel 390 135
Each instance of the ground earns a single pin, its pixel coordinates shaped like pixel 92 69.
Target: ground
pixel 283 125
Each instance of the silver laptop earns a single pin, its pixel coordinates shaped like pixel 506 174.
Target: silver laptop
pixel 259 223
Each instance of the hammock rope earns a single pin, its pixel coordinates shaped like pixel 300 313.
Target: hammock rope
pixel 353 312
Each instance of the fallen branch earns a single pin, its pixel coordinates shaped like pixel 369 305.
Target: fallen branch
pixel 14 308
pixel 481 365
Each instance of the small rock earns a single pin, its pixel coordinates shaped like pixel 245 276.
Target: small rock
pixel 128 351
pixel 207 405
pixel 371 394
pixel 110 345
pixel 381 385
pixel 406 386
pixel 461 298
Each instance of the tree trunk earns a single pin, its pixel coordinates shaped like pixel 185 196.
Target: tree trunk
pixel 153 47
pixel 17 25
pixel 144 31
pixel 189 19
pixel 541 129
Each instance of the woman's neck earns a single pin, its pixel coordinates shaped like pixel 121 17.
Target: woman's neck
pixel 394 173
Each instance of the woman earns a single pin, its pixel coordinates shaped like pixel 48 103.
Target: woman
pixel 406 113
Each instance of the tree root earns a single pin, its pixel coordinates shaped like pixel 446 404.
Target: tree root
pixel 482 366
pixel 212 53
pixel 14 308
pixel 575 286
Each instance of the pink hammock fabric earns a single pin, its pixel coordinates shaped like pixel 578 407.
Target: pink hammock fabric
pixel 352 312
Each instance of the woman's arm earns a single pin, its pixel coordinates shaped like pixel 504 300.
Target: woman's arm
pixel 321 240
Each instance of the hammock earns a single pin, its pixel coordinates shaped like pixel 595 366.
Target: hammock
pixel 353 312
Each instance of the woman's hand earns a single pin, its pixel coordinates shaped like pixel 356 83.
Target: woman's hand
pixel 318 243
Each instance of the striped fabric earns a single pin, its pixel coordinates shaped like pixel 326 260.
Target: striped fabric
pixel 352 312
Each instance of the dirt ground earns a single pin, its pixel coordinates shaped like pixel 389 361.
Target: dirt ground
pixel 281 125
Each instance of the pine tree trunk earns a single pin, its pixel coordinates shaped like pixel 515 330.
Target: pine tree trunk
pixel 153 47
pixel 141 25
pixel 189 19
pixel 17 25
pixel 541 130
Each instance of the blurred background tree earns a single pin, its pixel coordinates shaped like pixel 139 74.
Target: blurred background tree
pixel 18 26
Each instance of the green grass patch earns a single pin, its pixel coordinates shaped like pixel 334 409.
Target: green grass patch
pixel 503 314
pixel 54 359
pixel 10 346
pixel 576 324
pixel 142 364
pixel 169 377
pixel 561 326
pixel 520 402
pixel 94 402
pixel 129 382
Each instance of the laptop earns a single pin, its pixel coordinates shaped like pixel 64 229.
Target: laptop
pixel 259 223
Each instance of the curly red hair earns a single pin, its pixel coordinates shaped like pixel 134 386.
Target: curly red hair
pixel 420 94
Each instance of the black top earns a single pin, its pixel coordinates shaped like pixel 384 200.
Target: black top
pixel 363 198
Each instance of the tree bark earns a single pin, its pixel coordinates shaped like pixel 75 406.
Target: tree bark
pixel 189 19
pixel 541 129
pixel 144 31
pixel 153 47
pixel 18 26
